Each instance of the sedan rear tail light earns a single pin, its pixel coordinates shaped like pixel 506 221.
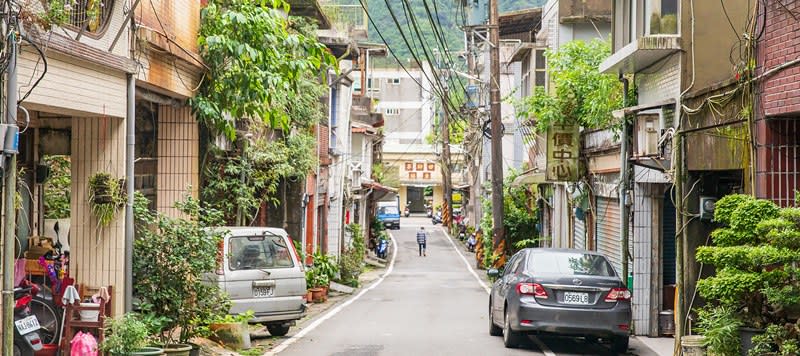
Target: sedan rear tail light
pixel 534 289
pixel 618 294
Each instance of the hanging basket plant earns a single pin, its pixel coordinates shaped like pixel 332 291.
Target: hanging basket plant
pixel 104 197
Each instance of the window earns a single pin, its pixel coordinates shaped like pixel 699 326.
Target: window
pixel 661 17
pixel 540 69
pixel 412 175
pixel 393 81
pixel 409 166
pixel 566 263
pixel 431 166
pixel 90 17
pixel 392 111
pixel 388 210
pixel 257 252
pixel 426 175
pixel 420 166
pixel 373 85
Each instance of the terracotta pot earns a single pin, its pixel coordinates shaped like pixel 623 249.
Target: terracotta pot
pixel 317 294
pixel 309 296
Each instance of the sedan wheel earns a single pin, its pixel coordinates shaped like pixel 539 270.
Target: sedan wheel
pixel 494 330
pixel 511 338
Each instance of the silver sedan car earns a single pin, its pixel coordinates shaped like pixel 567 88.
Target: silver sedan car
pixel 559 291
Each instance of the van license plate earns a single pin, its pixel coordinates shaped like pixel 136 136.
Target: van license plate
pixel 27 325
pixel 576 298
pixel 262 292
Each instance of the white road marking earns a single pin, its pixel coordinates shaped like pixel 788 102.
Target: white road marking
pixel 546 350
pixel 466 263
pixel 282 346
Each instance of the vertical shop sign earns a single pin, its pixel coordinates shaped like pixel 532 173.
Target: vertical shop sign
pixel 562 153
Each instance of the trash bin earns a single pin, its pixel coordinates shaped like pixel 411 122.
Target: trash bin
pixel 666 323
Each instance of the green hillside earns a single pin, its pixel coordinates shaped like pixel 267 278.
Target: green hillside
pixel 449 16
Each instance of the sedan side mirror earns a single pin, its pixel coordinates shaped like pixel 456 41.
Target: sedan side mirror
pixel 493 272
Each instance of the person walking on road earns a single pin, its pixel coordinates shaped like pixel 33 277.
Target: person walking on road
pixel 422 239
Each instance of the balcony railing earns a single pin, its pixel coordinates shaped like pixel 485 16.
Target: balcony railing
pixel 345 15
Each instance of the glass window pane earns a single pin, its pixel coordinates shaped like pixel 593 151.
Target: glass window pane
pixel 540 59
pixel 570 264
pixel 540 79
pixel 661 17
pixel 257 252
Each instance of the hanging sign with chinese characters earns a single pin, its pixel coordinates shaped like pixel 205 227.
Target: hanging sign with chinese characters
pixel 562 153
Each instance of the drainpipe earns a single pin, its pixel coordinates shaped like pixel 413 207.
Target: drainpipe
pixel 130 140
pixel 624 185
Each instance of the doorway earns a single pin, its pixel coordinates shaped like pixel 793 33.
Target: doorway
pixel 416 197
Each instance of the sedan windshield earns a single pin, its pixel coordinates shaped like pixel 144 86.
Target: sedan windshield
pixel 567 263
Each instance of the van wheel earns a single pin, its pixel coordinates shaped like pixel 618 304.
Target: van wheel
pixel 278 329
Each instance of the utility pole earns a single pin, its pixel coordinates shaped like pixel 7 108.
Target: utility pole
pixel 10 150
pixel 680 255
pixel 446 174
pixel 498 236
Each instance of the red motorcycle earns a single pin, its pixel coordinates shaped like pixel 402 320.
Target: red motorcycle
pixel 26 325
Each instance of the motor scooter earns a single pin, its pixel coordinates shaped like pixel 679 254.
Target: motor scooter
pixel 437 219
pixel 26 326
pixel 406 212
pixel 429 211
pixel 382 249
pixel 471 242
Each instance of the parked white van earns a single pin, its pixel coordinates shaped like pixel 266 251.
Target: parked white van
pixel 261 271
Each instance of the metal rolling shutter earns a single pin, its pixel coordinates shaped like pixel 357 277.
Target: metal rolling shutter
pixel 668 242
pixel 579 238
pixel 608 235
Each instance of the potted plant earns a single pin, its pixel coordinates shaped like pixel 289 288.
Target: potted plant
pixel 104 197
pixel 317 282
pixel 756 255
pixel 231 330
pixel 170 257
pixel 127 335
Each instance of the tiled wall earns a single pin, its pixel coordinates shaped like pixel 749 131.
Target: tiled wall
pixel 645 239
pixel 97 253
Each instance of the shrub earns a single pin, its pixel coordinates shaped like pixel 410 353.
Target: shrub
pixel 351 262
pixel 125 334
pixel 170 257
pixel 750 213
pixel 723 210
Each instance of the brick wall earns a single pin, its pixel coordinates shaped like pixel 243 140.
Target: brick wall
pixel 780 93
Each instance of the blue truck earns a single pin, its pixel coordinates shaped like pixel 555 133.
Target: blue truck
pixel 389 214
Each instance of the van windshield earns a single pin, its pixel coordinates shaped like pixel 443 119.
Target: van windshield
pixel 258 252
pixel 388 210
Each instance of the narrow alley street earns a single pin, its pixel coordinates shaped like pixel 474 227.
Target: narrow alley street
pixel 428 305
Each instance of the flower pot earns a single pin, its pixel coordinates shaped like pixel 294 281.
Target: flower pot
pixel 316 294
pixel 232 335
pixel 90 315
pixel 177 349
pixel 103 199
pixel 309 296
pixel 195 350
pixel 47 350
pixel 145 351
pixel 746 338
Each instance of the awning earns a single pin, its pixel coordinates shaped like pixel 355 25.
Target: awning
pixel 529 178
pixel 378 190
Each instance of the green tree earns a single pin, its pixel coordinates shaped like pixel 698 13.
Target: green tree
pixel 257 64
pixel 580 93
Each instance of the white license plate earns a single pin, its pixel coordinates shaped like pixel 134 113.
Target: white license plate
pixel 27 325
pixel 262 292
pixel 576 298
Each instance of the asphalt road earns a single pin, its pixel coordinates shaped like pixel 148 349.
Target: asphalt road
pixel 430 305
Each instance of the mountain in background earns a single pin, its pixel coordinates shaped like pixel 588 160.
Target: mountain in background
pixel 450 15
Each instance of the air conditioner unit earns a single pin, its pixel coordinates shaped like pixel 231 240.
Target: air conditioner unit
pixel 648 128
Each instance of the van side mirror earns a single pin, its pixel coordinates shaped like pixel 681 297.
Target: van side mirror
pixel 493 272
